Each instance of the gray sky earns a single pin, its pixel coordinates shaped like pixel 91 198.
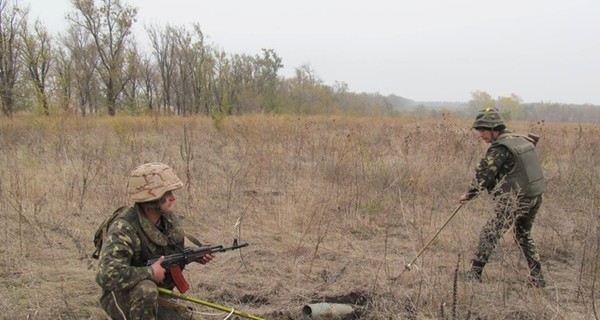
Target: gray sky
pixel 425 50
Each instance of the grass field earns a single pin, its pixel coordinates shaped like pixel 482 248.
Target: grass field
pixel 333 209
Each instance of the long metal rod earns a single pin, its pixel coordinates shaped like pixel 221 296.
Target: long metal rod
pixel 208 304
pixel 409 265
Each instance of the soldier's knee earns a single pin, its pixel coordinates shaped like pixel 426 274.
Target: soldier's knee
pixel 146 291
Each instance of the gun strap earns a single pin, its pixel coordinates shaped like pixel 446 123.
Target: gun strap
pixel 178 278
pixel 193 240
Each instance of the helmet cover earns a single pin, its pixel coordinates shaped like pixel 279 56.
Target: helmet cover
pixel 488 118
pixel 150 181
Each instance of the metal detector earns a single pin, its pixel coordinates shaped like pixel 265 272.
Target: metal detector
pixel 408 266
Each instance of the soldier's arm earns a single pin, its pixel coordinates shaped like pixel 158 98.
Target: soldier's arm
pixel 115 271
pixel 487 171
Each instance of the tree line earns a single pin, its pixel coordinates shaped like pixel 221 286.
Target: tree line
pixel 95 66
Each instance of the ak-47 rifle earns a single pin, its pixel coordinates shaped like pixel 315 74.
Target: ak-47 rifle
pixel 175 262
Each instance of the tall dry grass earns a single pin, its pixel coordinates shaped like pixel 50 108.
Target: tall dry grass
pixel 334 207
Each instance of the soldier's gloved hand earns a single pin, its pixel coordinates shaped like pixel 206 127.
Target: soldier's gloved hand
pixel 158 272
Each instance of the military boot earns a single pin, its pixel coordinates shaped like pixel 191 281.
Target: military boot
pixel 536 278
pixel 476 270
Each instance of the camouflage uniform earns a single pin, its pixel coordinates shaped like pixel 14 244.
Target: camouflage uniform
pixel 132 240
pixel 128 291
pixel 515 206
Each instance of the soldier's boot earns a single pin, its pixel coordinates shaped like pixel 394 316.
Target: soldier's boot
pixel 476 271
pixel 536 278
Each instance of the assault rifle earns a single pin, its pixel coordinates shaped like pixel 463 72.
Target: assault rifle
pixel 174 263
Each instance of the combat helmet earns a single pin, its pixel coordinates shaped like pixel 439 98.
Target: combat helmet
pixel 489 118
pixel 150 181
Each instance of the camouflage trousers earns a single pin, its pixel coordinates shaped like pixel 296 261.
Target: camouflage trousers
pixel 519 213
pixel 139 303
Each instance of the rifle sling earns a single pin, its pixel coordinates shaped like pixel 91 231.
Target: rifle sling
pixel 193 240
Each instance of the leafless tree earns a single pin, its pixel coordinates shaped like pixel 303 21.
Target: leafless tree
pixel 267 66
pixel 36 52
pixel 133 71
pixel 192 64
pixel 163 49
pixel 150 84
pixel 84 61
pixel 11 19
pixel 109 23
pixel 63 72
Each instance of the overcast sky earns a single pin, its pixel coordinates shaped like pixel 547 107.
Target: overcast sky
pixel 425 50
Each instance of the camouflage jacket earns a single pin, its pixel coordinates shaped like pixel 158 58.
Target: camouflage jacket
pixel 131 241
pixel 495 165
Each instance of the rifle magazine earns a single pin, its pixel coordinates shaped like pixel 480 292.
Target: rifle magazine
pixel 180 282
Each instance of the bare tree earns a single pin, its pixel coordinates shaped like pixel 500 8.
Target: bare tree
pixel 184 71
pixel 84 60
pixel 11 18
pixel 150 81
pixel 191 59
pixel 267 66
pixel 243 95
pixel 134 71
pixel 163 49
pixel 511 107
pixel 479 100
pixel 220 84
pixel 109 24
pixel 305 90
pixel 63 72
pixel 37 56
pixel 181 57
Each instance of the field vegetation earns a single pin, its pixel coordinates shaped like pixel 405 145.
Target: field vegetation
pixel 333 207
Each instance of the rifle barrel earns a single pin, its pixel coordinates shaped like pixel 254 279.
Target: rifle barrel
pixel 190 254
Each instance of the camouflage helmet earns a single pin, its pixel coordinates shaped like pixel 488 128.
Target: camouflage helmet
pixel 151 181
pixel 488 118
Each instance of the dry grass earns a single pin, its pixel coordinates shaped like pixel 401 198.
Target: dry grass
pixel 333 208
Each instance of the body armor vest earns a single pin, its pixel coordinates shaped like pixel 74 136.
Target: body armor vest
pixel 526 178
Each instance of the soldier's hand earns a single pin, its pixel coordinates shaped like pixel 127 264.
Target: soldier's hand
pixel 158 272
pixel 205 259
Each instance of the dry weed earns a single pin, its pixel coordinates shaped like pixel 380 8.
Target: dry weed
pixel 333 207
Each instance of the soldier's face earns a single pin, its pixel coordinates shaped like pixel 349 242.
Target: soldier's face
pixel 169 200
pixel 486 135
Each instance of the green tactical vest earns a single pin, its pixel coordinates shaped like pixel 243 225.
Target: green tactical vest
pixel 526 178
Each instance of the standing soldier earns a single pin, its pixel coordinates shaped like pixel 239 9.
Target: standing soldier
pixel 139 233
pixel 512 174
